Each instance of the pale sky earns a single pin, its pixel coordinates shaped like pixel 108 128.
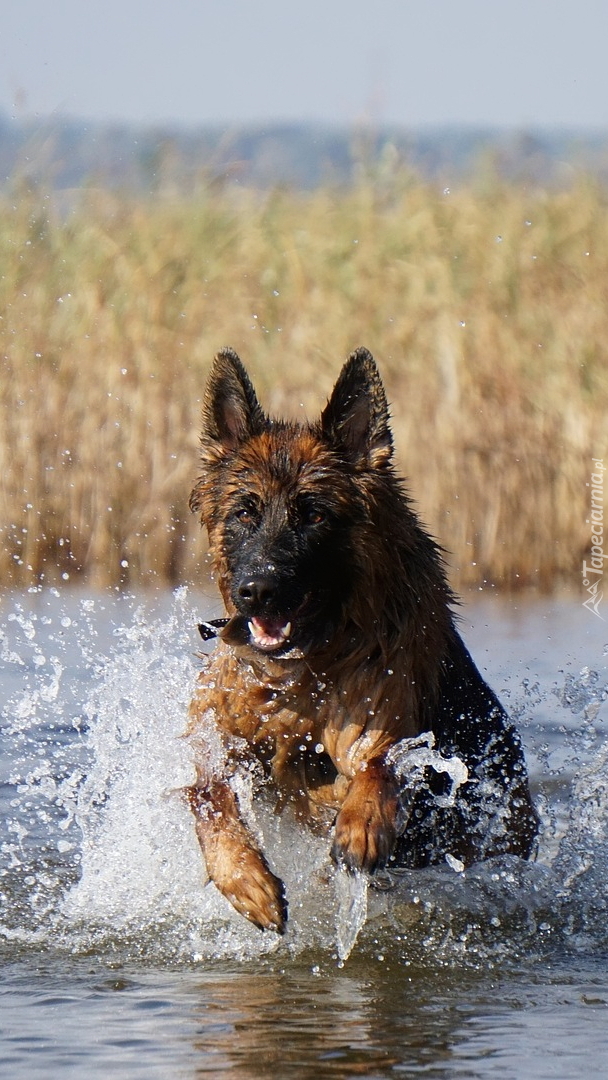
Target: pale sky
pixel 516 63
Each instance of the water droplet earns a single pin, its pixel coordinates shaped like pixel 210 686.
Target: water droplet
pixel 456 864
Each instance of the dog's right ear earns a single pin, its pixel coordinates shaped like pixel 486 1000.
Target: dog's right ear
pixel 231 411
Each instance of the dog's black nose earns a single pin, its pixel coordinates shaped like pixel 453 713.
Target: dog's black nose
pixel 257 591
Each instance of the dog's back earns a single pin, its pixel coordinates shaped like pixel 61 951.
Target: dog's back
pixel 493 811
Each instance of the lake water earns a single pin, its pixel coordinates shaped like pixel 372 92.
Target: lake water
pixel 118 959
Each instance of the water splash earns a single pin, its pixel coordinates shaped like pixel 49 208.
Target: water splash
pixel 351 891
pixel 99 854
pixel 410 758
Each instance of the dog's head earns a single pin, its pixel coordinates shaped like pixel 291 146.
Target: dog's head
pixel 286 504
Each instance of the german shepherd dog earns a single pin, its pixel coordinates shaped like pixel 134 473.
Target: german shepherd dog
pixel 340 643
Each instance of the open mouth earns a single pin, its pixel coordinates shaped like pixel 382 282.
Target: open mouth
pixel 268 634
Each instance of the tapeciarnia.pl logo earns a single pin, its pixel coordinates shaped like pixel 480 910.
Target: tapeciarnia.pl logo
pixel 593 571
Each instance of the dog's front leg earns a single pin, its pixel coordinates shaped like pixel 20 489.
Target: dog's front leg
pixel 366 826
pixel 234 861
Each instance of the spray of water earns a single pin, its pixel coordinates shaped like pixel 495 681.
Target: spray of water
pixel 99 853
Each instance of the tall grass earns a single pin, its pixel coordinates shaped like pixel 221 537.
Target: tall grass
pixel 486 309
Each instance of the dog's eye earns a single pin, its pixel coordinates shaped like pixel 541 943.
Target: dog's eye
pixel 247 515
pixel 312 515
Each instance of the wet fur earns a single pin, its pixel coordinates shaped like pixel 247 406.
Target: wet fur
pixel 311 531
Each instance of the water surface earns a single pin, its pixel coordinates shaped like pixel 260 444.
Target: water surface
pixel 116 955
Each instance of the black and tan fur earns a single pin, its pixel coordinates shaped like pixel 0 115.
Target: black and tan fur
pixel 340 642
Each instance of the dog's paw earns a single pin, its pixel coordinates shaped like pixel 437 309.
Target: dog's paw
pixel 362 842
pixel 365 830
pixel 241 873
pixel 258 894
pixel 234 862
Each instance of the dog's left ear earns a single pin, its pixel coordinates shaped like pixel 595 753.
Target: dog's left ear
pixel 356 415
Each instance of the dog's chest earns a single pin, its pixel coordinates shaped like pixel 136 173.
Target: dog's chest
pixel 284 713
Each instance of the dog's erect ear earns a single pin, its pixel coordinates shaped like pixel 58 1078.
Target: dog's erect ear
pixel 231 411
pixel 356 415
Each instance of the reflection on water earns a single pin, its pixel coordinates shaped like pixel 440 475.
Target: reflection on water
pixel 370 1019
pixel 105 921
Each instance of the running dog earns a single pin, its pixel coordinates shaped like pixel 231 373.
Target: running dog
pixel 340 642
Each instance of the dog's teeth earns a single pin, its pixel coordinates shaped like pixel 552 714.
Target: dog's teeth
pixel 265 640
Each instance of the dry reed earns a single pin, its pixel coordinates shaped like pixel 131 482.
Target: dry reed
pixel 485 308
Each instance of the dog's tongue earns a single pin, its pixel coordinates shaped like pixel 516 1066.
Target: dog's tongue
pixel 268 633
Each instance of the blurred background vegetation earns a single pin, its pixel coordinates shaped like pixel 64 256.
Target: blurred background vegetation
pixel 485 305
